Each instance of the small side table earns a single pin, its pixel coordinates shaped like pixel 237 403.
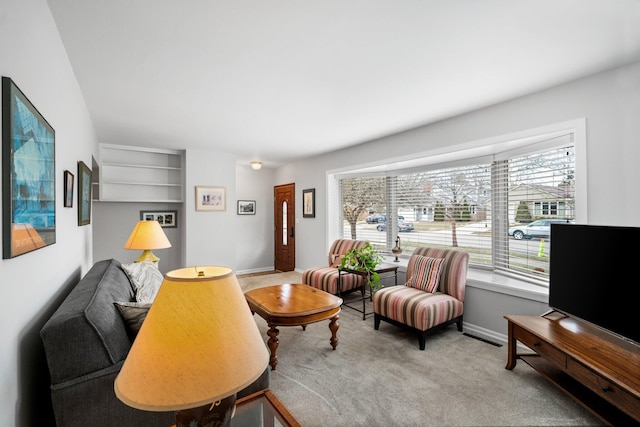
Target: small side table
pixel 382 269
pixel 262 409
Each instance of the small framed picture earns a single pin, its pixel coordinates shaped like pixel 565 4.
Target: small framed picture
pixel 246 207
pixel 167 219
pixel 68 189
pixel 309 203
pixel 211 198
pixel 84 194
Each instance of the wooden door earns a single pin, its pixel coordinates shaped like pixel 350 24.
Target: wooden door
pixel 285 231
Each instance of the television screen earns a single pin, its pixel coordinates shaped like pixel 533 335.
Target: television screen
pixel 592 276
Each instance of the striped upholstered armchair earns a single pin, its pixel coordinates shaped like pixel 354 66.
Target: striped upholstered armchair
pixel 433 296
pixel 326 278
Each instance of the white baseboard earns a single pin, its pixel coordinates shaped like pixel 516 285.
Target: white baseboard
pixel 262 270
pixel 485 334
pixel 255 270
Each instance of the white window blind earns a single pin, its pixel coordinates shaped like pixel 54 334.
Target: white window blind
pixel 540 187
pixel 470 205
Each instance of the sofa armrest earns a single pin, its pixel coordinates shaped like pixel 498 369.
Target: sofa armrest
pixel 90 400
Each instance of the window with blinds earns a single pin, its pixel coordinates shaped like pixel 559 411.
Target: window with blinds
pixel 497 207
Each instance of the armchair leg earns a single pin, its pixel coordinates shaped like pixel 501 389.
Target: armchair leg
pixel 376 321
pixel 459 323
pixel 422 338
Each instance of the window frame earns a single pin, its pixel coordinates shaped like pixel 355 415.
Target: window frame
pixel 500 147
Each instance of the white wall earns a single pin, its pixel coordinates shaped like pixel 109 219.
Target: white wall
pixel 254 234
pixel 210 237
pixel 31 53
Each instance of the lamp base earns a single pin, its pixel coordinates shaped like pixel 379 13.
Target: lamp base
pixel 147 255
pixel 217 414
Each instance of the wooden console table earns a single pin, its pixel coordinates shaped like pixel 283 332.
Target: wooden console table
pixel 599 370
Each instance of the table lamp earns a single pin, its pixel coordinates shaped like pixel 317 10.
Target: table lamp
pixel 147 235
pixel 198 346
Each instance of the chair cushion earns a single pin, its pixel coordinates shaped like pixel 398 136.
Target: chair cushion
pixel 413 307
pixel 326 279
pixel 426 273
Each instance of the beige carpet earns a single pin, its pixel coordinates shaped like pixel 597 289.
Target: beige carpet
pixel 381 378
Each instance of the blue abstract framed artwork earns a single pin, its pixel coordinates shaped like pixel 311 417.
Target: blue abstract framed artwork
pixel 28 175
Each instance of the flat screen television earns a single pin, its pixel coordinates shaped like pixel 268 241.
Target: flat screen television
pixel 594 277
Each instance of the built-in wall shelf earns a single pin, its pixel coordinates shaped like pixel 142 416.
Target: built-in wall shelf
pixel 140 174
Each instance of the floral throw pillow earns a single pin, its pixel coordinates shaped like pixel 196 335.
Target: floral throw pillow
pixel 145 278
pixel 426 273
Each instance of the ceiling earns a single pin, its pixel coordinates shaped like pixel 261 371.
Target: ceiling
pixel 280 80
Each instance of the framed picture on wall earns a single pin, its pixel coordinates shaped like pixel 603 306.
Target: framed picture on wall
pixel 309 203
pixel 211 198
pixel 68 189
pixel 28 175
pixel 167 219
pixel 246 207
pixel 84 194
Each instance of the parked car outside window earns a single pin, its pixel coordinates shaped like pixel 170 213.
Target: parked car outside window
pixel 376 218
pixel 540 228
pixel 402 225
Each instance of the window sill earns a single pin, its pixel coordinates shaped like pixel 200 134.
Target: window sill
pixel 493 282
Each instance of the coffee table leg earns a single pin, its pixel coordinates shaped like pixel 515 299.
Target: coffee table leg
pixel 273 345
pixel 333 326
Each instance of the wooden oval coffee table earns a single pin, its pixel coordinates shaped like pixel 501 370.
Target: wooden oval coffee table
pixel 294 304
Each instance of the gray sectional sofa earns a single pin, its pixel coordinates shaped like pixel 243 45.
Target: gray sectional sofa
pixel 86 343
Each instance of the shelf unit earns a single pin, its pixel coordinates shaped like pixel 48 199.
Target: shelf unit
pixel 139 174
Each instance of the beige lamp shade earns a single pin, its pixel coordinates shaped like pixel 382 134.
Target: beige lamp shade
pixel 147 235
pixel 198 344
